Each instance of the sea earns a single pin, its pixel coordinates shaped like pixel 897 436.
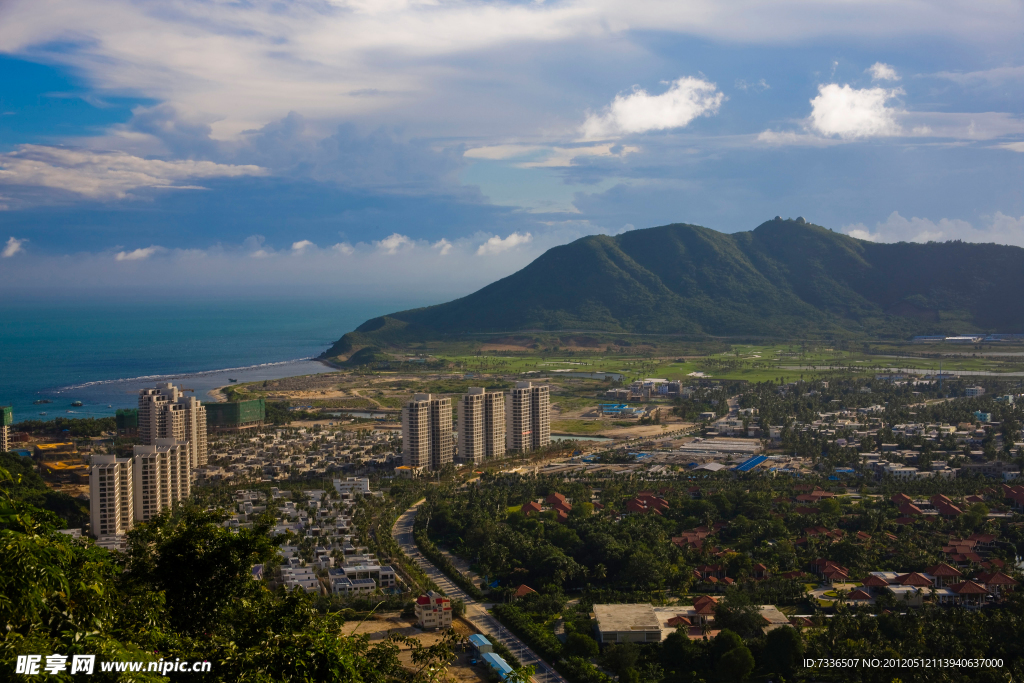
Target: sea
pixel 102 353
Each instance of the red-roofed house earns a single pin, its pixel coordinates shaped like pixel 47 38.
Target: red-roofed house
pixel 433 610
pixel 914 579
pixel 997 583
pixel 523 591
pixel 531 508
pixel 711 571
pixel 943 574
pixel 556 498
pixel 873 581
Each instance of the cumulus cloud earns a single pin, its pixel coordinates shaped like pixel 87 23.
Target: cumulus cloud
pixel 322 58
pixel 301 246
pixel 137 254
pixel 343 248
pixel 850 113
pixel 392 243
pixel 443 246
pixel 13 246
pixel 640 112
pixel 107 175
pixel 882 72
pixel 998 228
pixel 496 245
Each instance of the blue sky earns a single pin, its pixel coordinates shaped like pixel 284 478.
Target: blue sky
pixel 394 146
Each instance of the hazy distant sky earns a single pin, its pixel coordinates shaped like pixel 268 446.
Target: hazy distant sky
pixel 371 147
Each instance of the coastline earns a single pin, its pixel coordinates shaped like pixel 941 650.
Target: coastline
pixel 217 395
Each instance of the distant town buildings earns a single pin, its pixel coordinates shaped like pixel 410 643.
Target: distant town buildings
pixel 6 420
pixel 528 417
pixel 481 425
pixel 123 491
pixel 427 439
pixel 974 392
pixel 166 413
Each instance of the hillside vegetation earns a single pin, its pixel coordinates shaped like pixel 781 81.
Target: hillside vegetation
pixel 785 279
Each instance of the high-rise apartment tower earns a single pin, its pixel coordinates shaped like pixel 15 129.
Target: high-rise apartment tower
pixel 481 428
pixel 6 420
pixel 427 439
pixel 166 413
pixel 111 507
pixel 161 477
pixel 527 417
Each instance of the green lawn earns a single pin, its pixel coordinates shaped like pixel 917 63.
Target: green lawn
pixel 577 426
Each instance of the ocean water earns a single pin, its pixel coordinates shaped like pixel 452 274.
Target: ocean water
pixel 102 353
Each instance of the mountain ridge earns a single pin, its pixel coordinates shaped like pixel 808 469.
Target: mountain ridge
pixel 784 279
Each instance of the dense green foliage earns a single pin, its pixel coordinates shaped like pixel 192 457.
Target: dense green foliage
pixel 71 426
pixel 28 487
pixel 786 278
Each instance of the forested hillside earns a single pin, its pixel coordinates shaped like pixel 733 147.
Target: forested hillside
pixel 785 279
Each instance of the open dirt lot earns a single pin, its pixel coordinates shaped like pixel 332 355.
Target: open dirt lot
pixel 379 627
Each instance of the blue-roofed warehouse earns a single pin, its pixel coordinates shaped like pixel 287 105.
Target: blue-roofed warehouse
pixel 750 464
pixel 499 665
pixel 480 643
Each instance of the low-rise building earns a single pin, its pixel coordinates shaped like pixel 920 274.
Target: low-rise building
pixel 433 610
pixel 630 623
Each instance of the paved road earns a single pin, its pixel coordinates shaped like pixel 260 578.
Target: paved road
pixel 476 613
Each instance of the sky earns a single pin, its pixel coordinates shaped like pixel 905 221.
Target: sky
pixel 390 147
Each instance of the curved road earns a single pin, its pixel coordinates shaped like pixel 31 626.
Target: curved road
pixel 476 613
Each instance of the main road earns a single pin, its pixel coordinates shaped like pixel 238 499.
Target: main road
pixel 476 613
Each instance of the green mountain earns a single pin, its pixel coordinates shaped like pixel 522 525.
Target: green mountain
pixel 785 279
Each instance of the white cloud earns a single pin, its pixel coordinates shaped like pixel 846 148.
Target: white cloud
pixel 496 245
pixel 343 248
pixel 106 175
pixel 539 156
pixel 13 246
pixel 392 243
pixel 443 246
pixel 996 76
pixel 301 246
pixel 758 86
pixel 998 228
pixel 849 113
pixel 639 112
pixel 771 137
pixel 138 254
pixel 1012 146
pixel 882 72
pixel 248 63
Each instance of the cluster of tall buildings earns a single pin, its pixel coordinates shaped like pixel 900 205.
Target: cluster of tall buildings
pixel 172 428
pixel 489 424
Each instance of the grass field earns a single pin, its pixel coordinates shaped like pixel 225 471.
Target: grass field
pixel 578 426
pixel 760 363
